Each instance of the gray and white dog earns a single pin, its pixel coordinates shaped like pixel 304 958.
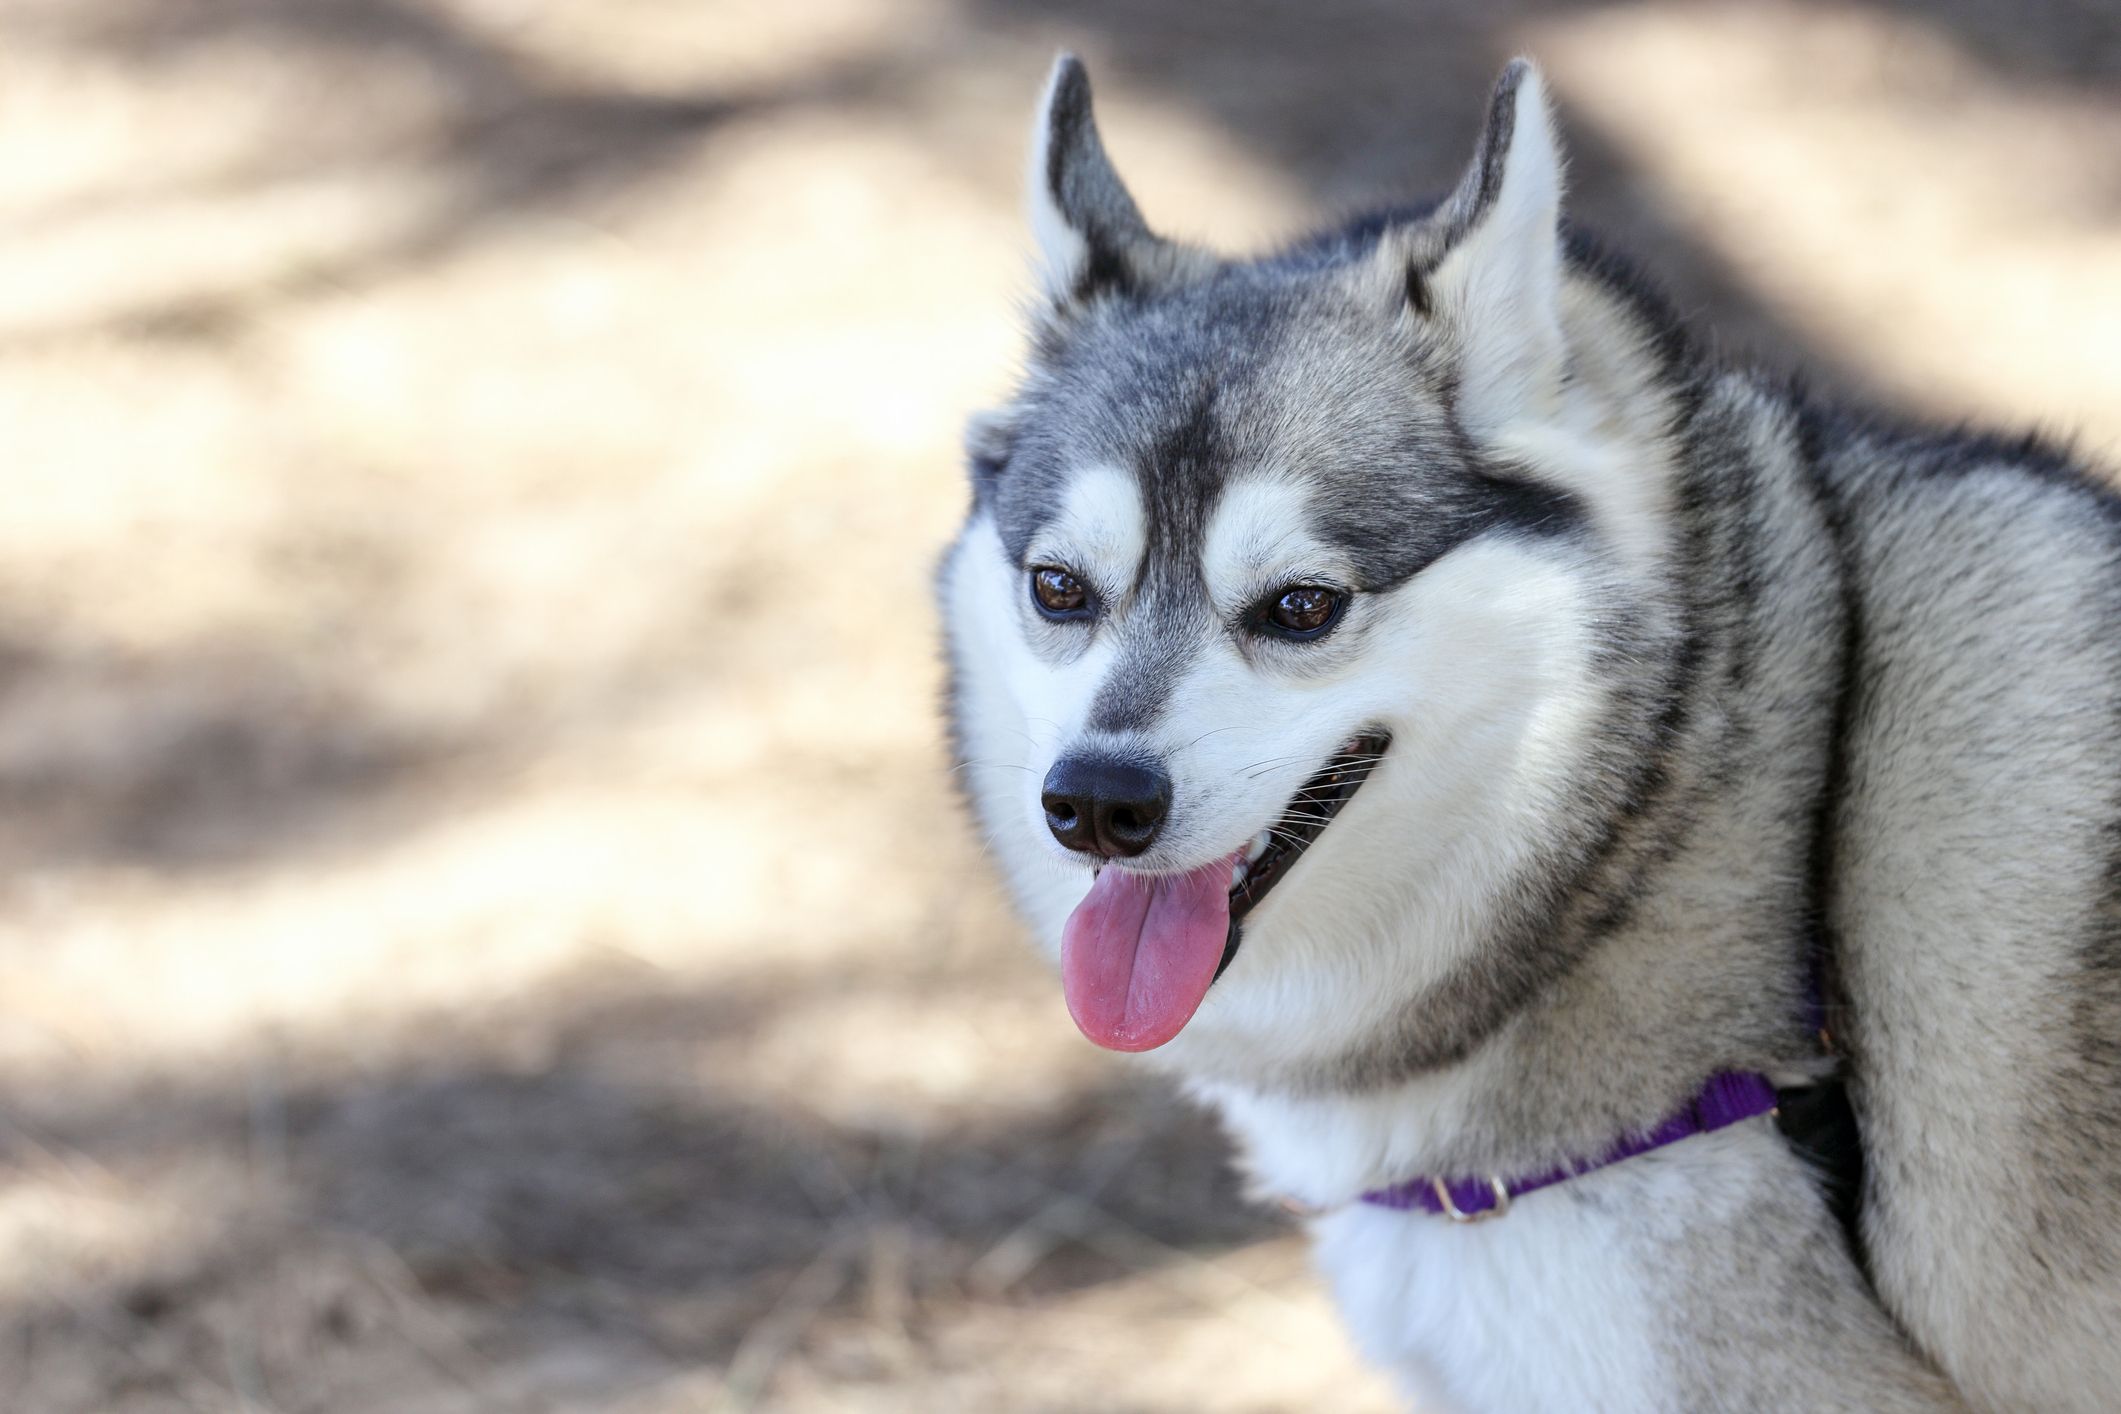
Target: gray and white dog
pixel 1473 735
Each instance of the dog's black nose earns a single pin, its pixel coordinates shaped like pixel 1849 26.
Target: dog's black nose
pixel 1105 807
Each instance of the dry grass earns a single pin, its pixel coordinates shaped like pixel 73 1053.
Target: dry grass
pixel 482 921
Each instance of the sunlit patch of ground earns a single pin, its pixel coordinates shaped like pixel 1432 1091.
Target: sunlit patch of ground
pixel 483 920
pixel 1954 227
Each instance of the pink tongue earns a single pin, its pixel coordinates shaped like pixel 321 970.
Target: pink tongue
pixel 1138 953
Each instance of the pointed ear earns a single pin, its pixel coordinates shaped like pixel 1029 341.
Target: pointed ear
pixel 989 436
pixel 1091 236
pixel 1497 282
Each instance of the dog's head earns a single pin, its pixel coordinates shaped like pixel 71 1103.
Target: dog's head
pixel 1277 624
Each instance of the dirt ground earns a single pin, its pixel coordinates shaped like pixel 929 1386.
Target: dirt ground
pixel 483 921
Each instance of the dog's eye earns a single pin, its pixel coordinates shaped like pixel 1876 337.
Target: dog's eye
pixel 1301 611
pixel 1059 594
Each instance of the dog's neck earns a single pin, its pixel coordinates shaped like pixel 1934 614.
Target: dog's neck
pixel 1685 945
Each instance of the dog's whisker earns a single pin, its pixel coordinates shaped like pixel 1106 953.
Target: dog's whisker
pixel 1290 763
pixel 1216 731
pixel 1273 764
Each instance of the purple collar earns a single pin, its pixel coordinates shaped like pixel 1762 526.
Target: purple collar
pixel 1725 1099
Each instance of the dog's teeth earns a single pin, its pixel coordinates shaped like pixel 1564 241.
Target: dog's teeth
pixel 1261 842
pixel 1237 875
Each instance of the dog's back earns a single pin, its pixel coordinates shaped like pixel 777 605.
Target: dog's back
pixel 1972 901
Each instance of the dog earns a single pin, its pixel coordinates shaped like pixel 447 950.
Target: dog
pixel 1630 848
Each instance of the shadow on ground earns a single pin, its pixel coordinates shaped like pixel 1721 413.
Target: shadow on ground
pixel 602 1183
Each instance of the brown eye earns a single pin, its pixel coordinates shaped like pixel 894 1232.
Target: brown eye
pixel 1060 595
pixel 1303 612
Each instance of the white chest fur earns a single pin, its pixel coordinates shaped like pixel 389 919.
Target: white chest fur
pixel 1563 1303
pixel 1529 1312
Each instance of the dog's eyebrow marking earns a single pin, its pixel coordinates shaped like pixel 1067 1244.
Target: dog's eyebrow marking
pixel 1100 529
pixel 1259 528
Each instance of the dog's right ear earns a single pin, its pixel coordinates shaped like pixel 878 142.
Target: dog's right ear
pixel 1091 237
pixel 989 436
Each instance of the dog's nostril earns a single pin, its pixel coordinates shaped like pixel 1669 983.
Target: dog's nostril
pixel 1105 807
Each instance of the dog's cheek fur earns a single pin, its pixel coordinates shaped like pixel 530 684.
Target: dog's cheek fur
pixel 1003 749
pixel 1479 667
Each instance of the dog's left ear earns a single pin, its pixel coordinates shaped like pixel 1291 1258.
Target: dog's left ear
pixel 1495 279
pixel 1091 236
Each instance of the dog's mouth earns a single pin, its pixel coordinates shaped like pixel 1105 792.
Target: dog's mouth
pixel 1140 951
pixel 1275 850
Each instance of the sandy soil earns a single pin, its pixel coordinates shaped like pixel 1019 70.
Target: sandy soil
pixel 483 923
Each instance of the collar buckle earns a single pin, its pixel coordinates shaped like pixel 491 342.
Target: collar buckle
pixel 1451 1210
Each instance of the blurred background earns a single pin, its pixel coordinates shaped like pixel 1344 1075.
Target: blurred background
pixel 484 923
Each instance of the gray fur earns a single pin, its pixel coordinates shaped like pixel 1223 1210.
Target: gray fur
pixel 1867 697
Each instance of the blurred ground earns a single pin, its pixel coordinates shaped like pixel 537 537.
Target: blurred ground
pixel 483 925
